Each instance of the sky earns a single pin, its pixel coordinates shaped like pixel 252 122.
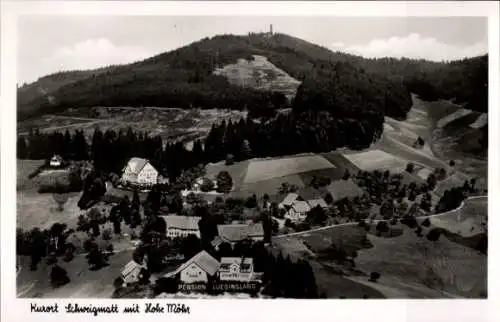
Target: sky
pixel 48 44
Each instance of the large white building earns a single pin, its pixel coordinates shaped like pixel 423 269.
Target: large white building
pixel 139 172
pixel 182 226
pixel 198 269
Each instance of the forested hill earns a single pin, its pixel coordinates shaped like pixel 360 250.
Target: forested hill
pixel 44 86
pixel 346 85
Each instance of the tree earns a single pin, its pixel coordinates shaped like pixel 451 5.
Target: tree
pixel 426 222
pixel 57 237
pixel 374 276
pixel 22 148
pixel 346 175
pixel 329 198
pixel 83 223
pixel 60 199
pixel 251 202
pixel 106 234
pixel 136 203
pixel 426 202
pixel 191 246
pixel 382 227
pixel 95 218
pixel 452 163
pixel 96 258
pixel 229 159
pixel 224 182
pixel 225 250
pixel 410 167
pixel 58 276
pixel 207 185
pixel 431 181
pixel 267 224
pixel 433 234
pixel 316 216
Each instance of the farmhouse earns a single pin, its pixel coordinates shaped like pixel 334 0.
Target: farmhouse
pixel 131 273
pixel 237 232
pixel 236 269
pixel 182 226
pixel 56 161
pixel 298 211
pixel 317 202
pixel 288 201
pixel 140 172
pixel 198 269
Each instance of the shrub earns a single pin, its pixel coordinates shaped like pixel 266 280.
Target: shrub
pixel 410 167
pixel 418 231
pixel 382 226
pixel 426 222
pixel 106 234
pixel 346 175
pixel 452 163
pixel 58 276
pixel 251 202
pixel 434 234
pixel 229 159
pixel 374 276
pixel 329 198
pixel 409 221
pixel 207 185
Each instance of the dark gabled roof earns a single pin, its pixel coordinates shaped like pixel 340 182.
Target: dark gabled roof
pixel 237 232
pixel 309 193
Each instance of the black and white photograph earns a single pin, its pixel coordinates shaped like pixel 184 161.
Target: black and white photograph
pixel 251 157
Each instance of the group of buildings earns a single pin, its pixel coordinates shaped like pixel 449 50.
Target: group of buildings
pixel 196 273
pixel 298 204
pixel 203 266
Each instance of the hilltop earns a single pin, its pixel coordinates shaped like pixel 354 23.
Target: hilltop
pixel 191 77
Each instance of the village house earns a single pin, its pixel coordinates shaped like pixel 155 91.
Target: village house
pixel 236 269
pixel 288 201
pixel 198 269
pixel 56 161
pixel 234 233
pixel 297 205
pixel 317 202
pixel 140 172
pixel 132 272
pixel 298 211
pixel 182 226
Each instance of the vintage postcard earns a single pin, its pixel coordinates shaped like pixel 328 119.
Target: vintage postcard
pixel 156 153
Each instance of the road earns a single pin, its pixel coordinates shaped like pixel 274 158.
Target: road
pixel 376 221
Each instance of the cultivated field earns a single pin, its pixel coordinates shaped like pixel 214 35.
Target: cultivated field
pixel 41 210
pixel 24 169
pixel 377 160
pixel 260 170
